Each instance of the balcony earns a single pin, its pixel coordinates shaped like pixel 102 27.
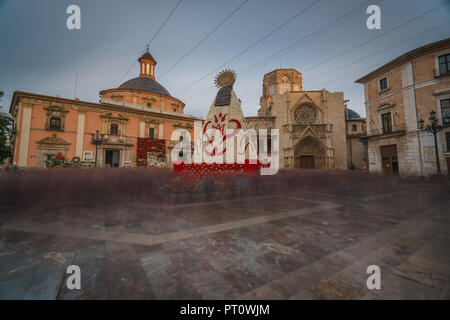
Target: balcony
pixel 397 129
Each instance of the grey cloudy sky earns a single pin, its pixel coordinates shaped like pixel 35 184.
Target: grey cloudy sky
pixel 39 54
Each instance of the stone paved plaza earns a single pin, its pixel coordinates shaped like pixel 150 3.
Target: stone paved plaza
pixel 288 241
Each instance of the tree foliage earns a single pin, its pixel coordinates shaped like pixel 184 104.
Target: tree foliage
pixel 6 130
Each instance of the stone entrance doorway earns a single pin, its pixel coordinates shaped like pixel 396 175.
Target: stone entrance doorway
pixel 112 158
pixel 307 162
pixel 309 154
pixel 448 166
pixel 390 159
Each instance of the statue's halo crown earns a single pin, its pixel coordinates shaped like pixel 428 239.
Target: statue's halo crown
pixel 225 79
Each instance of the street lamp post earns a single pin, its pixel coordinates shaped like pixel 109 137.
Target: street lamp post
pixel 97 140
pixel 434 128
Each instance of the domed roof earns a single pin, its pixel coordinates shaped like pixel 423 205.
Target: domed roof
pixel 145 84
pixel 350 114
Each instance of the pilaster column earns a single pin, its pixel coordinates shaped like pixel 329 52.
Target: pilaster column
pixel 161 131
pixel 25 135
pixel 142 129
pixel 80 133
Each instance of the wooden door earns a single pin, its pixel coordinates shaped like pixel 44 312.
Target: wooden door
pixel 389 159
pixel 448 166
pixel 307 162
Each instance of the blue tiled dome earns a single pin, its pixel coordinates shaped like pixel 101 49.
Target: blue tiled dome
pixel 350 114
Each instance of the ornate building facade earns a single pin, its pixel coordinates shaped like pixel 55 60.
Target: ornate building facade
pixel 311 124
pixel 140 108
pixel 398 95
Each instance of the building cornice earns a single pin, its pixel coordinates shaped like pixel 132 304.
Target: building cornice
pixel 18 95
pixel 405 58
pixel 160 95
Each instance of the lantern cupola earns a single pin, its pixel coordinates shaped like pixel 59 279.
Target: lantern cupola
pixel 148 64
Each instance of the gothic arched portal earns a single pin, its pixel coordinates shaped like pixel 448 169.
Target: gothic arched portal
pixel 309 154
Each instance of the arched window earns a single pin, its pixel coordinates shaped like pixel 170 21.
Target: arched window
pixel 151 133
pixel 55 123
pixel 114 128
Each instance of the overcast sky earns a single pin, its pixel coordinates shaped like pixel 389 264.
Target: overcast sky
pixel 39 54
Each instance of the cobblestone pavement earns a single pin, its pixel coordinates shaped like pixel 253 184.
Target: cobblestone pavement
pixel 313 244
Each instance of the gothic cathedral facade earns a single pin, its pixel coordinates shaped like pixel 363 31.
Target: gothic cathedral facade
pixel 311 124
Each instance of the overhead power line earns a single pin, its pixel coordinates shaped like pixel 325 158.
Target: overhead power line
pixel 380 51
pixel 360 44
pixel 376 37
pixel 252 45
pixel 370 55
pixel 204 39
pixel 153 38
pixel 365 68
pixel 363 58
pixel 312 35
pixel 164 23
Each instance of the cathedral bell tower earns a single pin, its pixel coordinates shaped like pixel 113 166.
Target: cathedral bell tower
pixel 147 65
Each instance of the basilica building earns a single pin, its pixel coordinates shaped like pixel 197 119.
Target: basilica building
pixel 134 123
pixel 312 124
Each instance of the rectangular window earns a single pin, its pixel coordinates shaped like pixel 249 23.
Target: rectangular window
pixel 445 109
pixel 444 64
pixel 447 138
pixel 354 127
pixel 383 84
pixel 114 128
pixel 88 156
pixel 149 105
pixel 387 122
pixel 55 123
pixel 151 133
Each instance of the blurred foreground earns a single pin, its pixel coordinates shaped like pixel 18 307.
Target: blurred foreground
pixel 146 234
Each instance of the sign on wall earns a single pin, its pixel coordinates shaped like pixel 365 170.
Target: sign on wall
pixel 429 154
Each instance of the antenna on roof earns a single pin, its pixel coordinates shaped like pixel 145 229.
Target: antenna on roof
pixel 76 83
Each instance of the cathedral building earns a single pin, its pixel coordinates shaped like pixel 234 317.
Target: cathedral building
pixel 135 122
pixel 312 124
